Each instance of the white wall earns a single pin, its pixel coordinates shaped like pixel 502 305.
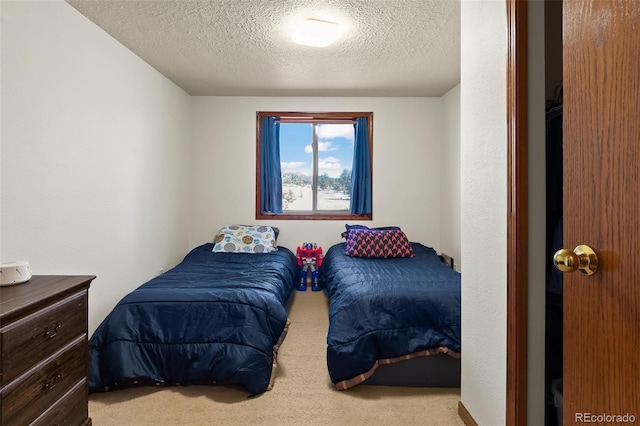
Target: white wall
pixel 450 180
pixel 407 143
pixel 94 160
pixel 484 209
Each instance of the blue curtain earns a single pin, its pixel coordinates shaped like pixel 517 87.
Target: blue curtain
pixel 271 177
pixel 361 172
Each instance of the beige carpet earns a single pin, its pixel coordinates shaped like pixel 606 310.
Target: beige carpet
pixel 302 394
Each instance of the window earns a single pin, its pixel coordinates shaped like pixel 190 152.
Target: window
pixel 314 165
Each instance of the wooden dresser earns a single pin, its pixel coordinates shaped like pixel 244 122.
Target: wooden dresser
pixel 44 351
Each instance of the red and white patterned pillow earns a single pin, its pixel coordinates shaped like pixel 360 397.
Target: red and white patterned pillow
pixel 378 244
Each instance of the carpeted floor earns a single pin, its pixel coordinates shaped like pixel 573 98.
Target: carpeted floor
pixel 302 394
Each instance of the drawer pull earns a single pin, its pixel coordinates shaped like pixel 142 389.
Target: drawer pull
pixel 52 383
pixel 50 332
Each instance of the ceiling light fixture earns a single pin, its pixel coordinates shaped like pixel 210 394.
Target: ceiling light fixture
pixel 313 32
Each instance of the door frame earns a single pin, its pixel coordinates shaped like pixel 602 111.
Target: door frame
pixel 517 213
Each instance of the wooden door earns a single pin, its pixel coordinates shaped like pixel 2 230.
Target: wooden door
pixel 601 48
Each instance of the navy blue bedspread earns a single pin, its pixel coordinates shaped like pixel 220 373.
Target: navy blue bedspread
pixel 387 308
pixel 214 318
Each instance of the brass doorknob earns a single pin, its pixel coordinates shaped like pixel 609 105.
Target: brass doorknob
pixel 583 258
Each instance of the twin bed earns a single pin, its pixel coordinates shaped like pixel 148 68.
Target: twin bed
pixel 219 317
pixel 394 312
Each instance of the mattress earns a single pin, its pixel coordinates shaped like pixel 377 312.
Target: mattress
pixel 216 318
pixel 383 311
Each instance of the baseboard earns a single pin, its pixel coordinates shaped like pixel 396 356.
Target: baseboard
pixel 465 415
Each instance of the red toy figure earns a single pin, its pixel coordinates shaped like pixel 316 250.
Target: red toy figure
pixel 309 259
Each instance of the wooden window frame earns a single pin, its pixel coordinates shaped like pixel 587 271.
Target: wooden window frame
pixel 310 117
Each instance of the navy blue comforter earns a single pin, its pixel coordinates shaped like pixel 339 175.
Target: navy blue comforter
pixel 214 318
pixel 382 309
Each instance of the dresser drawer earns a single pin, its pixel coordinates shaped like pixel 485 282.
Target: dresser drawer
pixel 71 410
pixel 31 339
pixel 25 399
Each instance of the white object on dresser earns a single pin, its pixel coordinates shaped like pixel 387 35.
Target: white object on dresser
pixel 15 272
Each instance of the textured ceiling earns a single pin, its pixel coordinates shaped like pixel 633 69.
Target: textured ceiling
pixel 244 48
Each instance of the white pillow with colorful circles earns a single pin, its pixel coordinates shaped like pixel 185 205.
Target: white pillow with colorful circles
pixel 245 239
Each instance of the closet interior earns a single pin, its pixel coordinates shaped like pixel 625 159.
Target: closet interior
pixel 554 200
